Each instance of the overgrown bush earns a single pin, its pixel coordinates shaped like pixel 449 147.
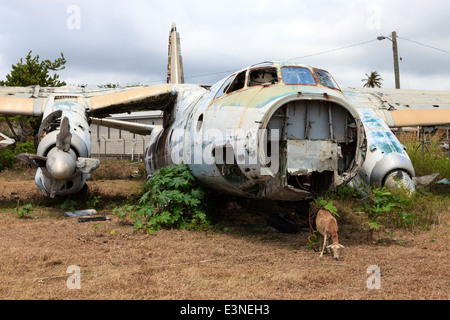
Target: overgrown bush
pixel 6 158
pixel 383 209
pixel 24 211
pixel 383 204
pixel 433 158
pixel 7 155
pixel 171 200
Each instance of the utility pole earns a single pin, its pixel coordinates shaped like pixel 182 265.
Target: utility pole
pixel 395 50
pixel 396 67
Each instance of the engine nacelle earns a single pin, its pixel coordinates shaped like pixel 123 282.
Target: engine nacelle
pixel 387 162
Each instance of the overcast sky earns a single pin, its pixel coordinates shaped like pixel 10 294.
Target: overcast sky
pixel 125 41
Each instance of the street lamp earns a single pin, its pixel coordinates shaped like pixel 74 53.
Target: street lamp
pixel 394 49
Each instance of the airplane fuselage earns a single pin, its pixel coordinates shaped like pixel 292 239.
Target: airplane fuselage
pixel 253 134
pixel 277 130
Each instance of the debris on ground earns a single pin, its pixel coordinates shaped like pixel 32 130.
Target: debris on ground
pixel 80 213
pixel 88 219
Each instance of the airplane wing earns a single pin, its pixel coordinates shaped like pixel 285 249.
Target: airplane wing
pixel 155 97
pixel 133 127
pixel 100 103
pixel 403 108
pixel 32 101
pixel 20 106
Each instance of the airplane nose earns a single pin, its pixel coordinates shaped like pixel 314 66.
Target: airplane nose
pixel 61 165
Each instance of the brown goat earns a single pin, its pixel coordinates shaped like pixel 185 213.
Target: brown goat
pixel 326 224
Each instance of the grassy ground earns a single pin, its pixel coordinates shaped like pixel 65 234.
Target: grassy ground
pixel 242 258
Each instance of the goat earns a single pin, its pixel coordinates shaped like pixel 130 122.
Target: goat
pixel 326 224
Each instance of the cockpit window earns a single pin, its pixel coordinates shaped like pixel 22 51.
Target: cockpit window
pixel 224 87
pixel 325 79
pixel 238 83
pixel 297 75
pixel 262 76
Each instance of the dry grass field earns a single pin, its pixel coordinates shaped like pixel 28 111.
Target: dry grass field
pixel 244 259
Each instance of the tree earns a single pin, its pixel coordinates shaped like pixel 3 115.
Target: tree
pixel 29 73
pixel 372 81
pixel 34 72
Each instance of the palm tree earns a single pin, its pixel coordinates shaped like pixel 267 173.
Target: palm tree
pixel 372 81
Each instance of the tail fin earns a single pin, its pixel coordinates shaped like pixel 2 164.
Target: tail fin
pixel 175 73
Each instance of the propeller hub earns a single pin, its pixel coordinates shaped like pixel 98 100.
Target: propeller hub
pixel 60 164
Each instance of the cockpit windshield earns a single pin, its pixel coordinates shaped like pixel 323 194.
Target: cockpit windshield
pixel 325 79
pixel 297 75
pixel 304 76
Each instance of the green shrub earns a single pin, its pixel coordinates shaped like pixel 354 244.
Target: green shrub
pixel 171 200
pixel 320 203
pixel 7 155
pixel 7 159
pixel 433 158
pixel 383 204
pixel 24 211
pixel 27 147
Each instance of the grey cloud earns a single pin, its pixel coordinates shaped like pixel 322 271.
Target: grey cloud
pixel 128 39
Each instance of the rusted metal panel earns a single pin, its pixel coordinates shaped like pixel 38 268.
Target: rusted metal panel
pixel 307 156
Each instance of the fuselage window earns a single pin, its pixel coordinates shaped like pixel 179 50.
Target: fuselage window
pixel 262 76
pixel 297 75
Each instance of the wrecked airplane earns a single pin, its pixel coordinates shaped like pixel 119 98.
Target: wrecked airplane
pixel 278 130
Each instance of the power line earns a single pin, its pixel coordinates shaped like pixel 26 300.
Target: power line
pixel 425 45
pixel 302 57
pixel 333 50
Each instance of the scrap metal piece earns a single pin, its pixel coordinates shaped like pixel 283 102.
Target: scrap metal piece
pixel 93 219
pixel 80 213
pixel 87 165
pixel 425 180
pixel 5 141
